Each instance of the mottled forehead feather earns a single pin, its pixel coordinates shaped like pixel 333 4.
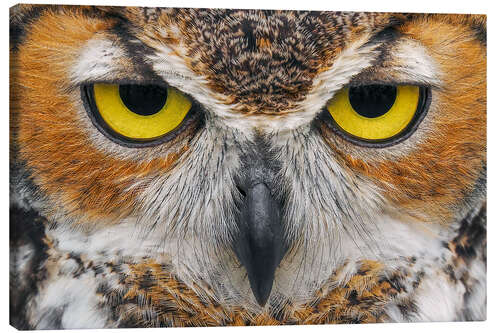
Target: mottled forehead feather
pixel 264 61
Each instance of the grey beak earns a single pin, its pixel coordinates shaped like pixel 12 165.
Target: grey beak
pixel 260 244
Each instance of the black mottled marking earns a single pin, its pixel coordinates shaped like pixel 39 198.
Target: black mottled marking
pixel 26 229
pixel 147 281
pixel 21 180
pixel 346 319
pixel 136 51
pixel 471 235
pixel 103 288
pixel 248 29
pixel 396 283
pixel 98 270
pixel 418 279
pixel 450 271
pixel 114 268
pixel 469 246
pixel 21 21
pixel 407 307
pixel 386 38
pixel 81 266
pixel 353 298
pixel 480 31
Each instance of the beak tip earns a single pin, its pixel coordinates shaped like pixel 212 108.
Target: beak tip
pixel 262 291
pixel 262 302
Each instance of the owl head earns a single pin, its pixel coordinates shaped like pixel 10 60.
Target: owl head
pixel 251 150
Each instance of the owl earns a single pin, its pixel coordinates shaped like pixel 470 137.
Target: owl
pixel 209 167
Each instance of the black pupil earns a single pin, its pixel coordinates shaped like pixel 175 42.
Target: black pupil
pixel 372 101
pixel 144 100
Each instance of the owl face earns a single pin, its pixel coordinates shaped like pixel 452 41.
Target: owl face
pixel 258 152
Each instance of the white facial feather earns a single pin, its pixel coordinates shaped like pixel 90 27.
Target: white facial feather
pixel 99 60
pixel 413 63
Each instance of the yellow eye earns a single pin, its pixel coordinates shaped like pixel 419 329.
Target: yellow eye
pixel 140 112
pixel 375 112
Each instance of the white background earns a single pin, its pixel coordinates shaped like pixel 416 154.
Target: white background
pixel 436 6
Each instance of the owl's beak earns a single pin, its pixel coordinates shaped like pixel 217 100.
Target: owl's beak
pixel 260 244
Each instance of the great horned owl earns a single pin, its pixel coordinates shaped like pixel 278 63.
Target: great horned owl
pixel 198 167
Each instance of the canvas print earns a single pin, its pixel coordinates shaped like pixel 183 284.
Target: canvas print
pixel 213 167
